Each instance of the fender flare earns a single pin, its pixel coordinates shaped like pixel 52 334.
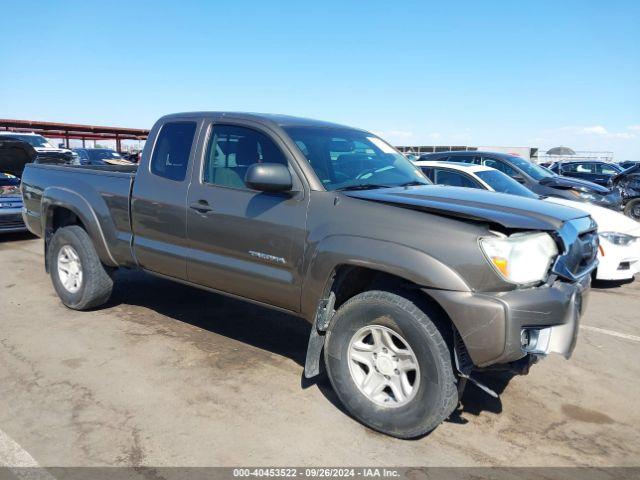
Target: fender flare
pixel 54 197
pixel 345 250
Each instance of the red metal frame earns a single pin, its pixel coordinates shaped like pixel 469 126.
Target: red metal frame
pixel 68 131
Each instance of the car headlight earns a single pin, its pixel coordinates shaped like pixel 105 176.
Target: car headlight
pixel 522 258
pixel 585 196
pixel 621 239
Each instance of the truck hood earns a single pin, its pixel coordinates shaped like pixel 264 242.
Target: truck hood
pixel 509 211
pixel 565 183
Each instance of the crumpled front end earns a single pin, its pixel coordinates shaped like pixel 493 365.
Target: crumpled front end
pixel 503 327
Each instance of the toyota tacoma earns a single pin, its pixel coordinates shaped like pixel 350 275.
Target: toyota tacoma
pixel 410 288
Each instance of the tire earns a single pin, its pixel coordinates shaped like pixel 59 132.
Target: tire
pixel 632 209
pixel 434 393
pixel 95 283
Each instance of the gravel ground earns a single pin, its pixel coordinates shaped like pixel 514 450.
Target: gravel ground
pixel 167 375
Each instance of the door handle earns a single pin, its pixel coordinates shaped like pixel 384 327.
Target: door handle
pixel 201 206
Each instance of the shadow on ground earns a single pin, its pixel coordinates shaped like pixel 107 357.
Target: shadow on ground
pixel 258 326
pixel 261 327
pixel 475 400
pixel 609 284
pixel 266 329
pixel 16 237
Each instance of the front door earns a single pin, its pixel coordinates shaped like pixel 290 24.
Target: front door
pixel 242 241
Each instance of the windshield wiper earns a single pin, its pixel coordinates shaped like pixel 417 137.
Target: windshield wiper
pixel 364 186
pixel 412 183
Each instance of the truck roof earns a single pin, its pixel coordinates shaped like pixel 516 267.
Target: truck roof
pixel 264 118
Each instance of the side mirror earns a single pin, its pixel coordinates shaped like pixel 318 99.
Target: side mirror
pixel 268 177
pixel 519 179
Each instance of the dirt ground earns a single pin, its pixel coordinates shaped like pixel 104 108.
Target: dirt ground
pixel 167 375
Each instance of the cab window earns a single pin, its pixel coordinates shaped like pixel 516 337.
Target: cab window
pixel 172 149
pixel 232 150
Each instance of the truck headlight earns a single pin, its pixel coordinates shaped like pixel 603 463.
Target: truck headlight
pixel 621 239
pixel 522 258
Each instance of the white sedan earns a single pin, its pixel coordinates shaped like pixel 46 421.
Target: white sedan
pixel 619 252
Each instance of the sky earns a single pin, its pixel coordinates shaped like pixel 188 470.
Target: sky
pixel 536 73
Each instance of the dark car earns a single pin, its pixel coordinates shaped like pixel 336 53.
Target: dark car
pixel 15 154
pixel 10 204
pixel 629 163
pixel 535 178
pixel 99 156
pixel 596 172
pixel 628 184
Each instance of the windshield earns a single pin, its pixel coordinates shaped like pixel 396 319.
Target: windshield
pixel 33 140
pixel 503 183
pixel 344 158
pixel 99 155
pixel 531 169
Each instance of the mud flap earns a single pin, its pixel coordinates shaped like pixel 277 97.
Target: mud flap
pixel 317 336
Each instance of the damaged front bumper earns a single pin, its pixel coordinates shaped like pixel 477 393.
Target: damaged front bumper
pixel 504 327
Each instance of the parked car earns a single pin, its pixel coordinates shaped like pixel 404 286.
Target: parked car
pixel 10 204
pixel 619 250
pixel 15 154
pixel 628 184
pixel 596 172
pixel 99 156
pixel 44 150
pixel 535 178
pixel 629 163
pixel 133 156
pixel 409 287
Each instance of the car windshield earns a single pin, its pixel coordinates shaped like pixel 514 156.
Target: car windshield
pixel 503 183
pixel 531 169
pixel 344 158
pixel 101 154
pixel 33 140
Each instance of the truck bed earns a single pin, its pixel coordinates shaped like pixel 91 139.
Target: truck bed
pixel 104 190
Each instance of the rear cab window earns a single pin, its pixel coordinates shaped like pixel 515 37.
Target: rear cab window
pixel 172 149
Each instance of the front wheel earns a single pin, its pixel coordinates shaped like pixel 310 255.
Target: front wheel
pixel 390 365
pixel 78 276
pixel 632 209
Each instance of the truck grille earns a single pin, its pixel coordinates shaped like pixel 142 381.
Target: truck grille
pixel 11 221
pixel 580 238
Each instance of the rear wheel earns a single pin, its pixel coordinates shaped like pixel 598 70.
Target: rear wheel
pixel 78 276
pixel 390 365
pixel 632 209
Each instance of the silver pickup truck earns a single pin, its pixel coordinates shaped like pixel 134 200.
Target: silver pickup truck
pixel 410 288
